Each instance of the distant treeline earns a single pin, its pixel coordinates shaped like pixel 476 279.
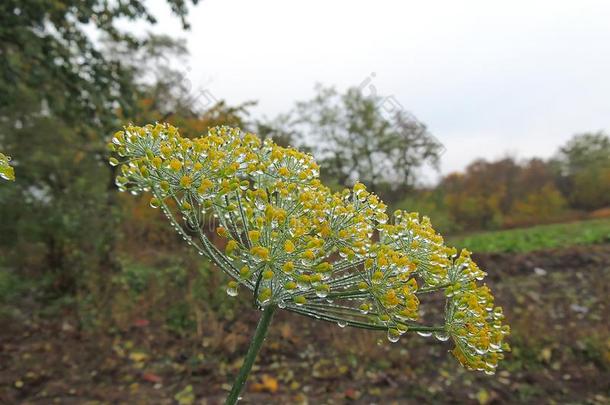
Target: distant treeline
pixel 506 193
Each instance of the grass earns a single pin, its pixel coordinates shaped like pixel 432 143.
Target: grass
pixel 537 237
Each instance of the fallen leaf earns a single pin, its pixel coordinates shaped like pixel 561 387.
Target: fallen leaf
pixel 267 384
pixel 545 354
pixel 186 396
pixel 138 356
pixel 483 397
pixel 150 377
pixel 140 323
pixel 351 393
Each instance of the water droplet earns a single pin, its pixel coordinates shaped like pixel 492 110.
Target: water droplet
pixel 232 291
pixel 342 323
pixel 424 334
pixel 393 335
pixel 442 336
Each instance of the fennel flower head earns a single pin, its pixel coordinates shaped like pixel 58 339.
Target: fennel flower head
pixel 337 257
pixel 6 170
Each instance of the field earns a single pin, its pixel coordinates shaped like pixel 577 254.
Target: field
pixel 556 301
pixel 538 237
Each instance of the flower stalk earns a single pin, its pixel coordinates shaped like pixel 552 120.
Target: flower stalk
pixel 255 346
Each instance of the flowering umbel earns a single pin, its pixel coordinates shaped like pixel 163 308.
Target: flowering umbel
pixel 6 170
pixel 332 256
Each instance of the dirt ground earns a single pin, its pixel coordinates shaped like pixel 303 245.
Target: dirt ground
pixel 556 301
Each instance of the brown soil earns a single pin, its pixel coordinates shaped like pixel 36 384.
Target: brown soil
pixel 556 302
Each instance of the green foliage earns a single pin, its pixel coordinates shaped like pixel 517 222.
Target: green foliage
pixel 538 237
pixel 172 291
pixel 10 285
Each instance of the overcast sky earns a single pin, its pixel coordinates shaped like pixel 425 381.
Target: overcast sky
pixel 489 78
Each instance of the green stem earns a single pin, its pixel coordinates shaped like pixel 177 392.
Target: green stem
pixel 255 346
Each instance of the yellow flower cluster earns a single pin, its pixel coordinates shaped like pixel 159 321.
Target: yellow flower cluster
pixel 476 328
pixel 6 170
pixel 297 245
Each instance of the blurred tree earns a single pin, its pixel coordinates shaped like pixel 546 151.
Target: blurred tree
pixel 583 165
pixel 47 49
pixel 59 96
pixel 481 196
pixel 503 193
pixel 354 139
pixel 540 206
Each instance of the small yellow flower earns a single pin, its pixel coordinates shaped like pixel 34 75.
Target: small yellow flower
pixel 205 185
pixel 288 267
pixel 245 272
pixel 254 236
pixel 186 181
pixel 309 254
pixel 260 252
pixel 175 165
pixel 231 247
pixel 288 246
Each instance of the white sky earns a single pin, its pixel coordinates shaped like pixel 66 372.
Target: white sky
pixel 489 78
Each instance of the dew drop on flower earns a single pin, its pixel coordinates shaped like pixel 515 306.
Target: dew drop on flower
pixel 393 335
pixel 442 336
pixel 232 288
